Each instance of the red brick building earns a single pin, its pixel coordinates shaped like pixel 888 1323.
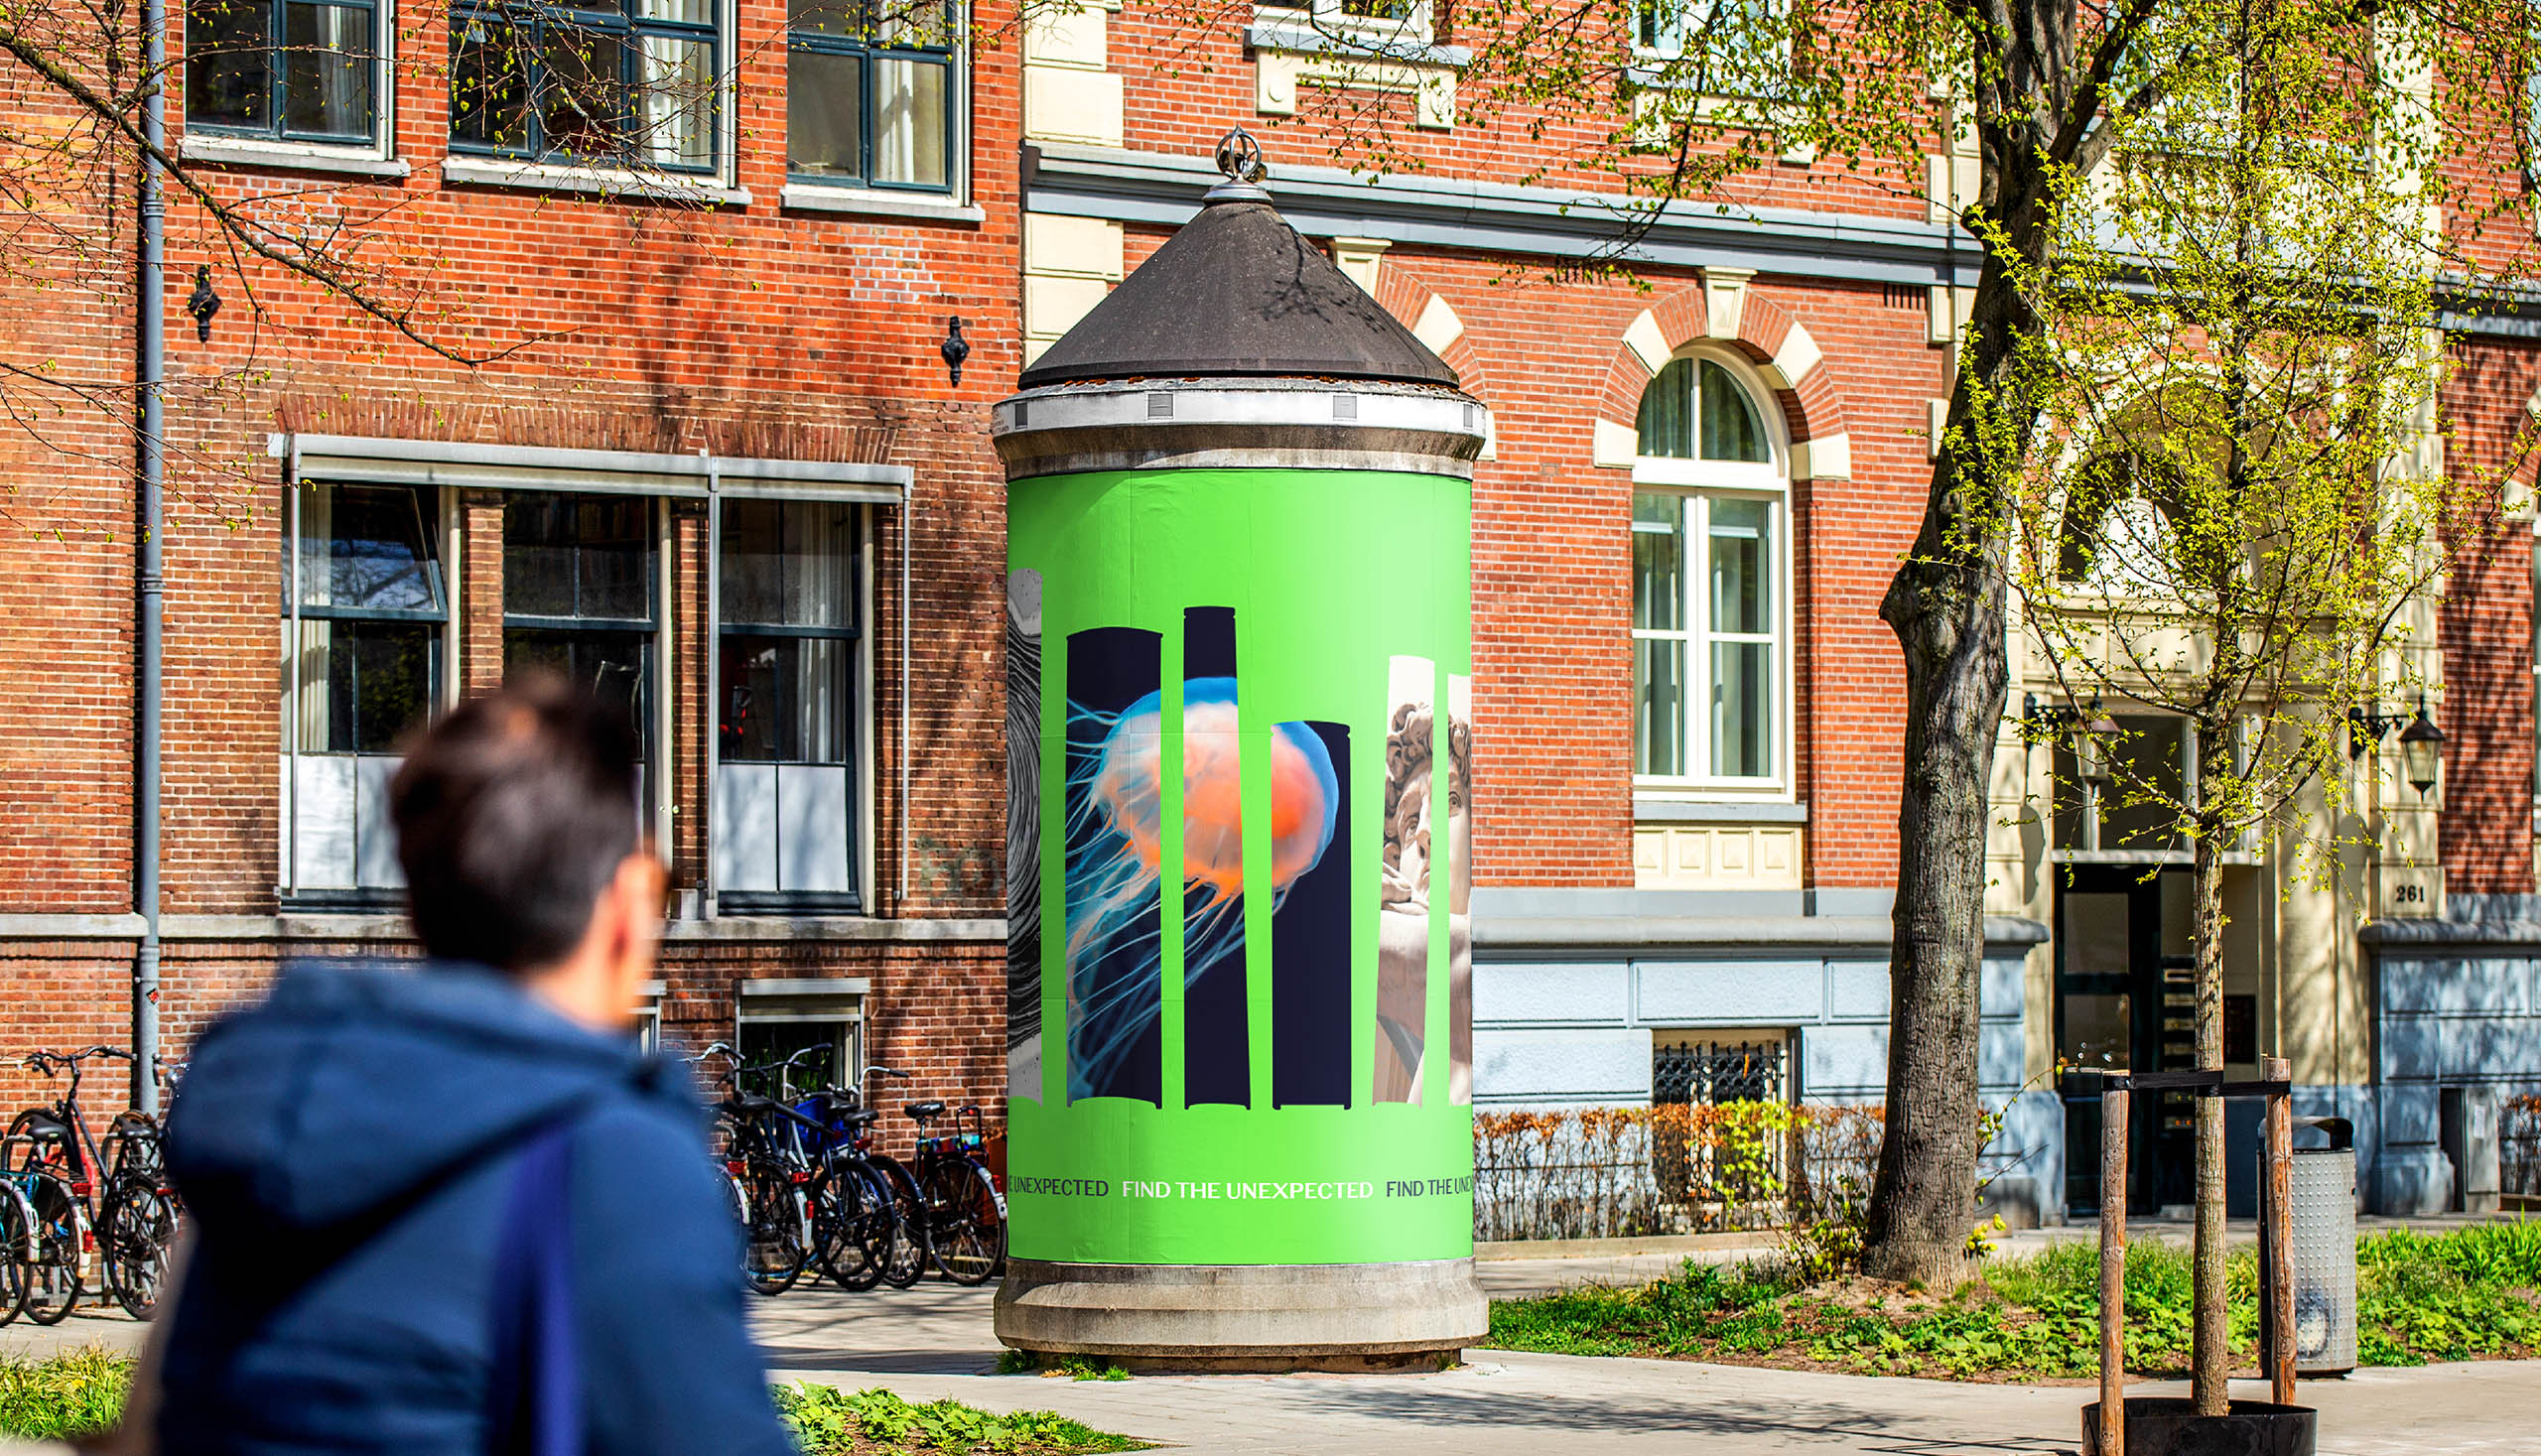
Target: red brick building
pixel 715 462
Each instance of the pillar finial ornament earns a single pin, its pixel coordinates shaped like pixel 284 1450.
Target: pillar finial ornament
pixel 1240 157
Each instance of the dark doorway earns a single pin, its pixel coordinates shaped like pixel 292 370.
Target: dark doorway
pixel 2125 1001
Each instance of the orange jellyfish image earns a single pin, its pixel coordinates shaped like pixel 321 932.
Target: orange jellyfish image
pixel 1115 869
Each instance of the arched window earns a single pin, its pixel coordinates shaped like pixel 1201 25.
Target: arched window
pixel 1711 616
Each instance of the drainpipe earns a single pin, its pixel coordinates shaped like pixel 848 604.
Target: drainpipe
pixel 150 370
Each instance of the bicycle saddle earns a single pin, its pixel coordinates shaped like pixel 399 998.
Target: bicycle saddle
pixel 859 1119
pixel 922 1110
pixel 39 1126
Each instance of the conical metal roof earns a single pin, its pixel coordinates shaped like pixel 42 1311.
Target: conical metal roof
pixel 1237 292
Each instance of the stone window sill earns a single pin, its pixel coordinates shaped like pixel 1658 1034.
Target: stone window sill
pixel 289 155
pixel 599 181
pixel 801 197
pixel 1649 810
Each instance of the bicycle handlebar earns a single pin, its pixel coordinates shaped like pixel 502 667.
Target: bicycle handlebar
pixel 870 1072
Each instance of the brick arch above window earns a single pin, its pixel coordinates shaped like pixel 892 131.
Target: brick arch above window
pixel 1725 311
pixel 1436 322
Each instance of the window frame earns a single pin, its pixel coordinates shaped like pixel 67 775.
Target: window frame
pixel 955 59
pixel 809 1001
pixel 432 538
pixel 533 16
pixel 378 143
pixel 655 679
pixel 1655 57
pixel 1417 28
pixel 862 729
pixel 1700 484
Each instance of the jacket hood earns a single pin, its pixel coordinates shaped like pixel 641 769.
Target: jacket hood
pixel 351 1088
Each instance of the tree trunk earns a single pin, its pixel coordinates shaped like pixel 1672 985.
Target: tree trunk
pixel 2210 1338
pixel 1945 605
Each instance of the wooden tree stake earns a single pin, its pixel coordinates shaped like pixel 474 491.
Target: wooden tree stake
pixel 2112 1274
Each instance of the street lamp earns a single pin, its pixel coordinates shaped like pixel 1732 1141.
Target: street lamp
pixel 2421 742
pixel 2422 750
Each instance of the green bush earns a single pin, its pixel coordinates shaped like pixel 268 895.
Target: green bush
pixel 75 1394
pixel 2454 1295
pixel 829 1422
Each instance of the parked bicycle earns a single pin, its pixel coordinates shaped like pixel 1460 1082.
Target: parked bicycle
pixel 801 1188
pixel 965 1210
pixel 55 1165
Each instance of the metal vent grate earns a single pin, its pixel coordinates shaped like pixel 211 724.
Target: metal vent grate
pixel 1345 407
pixel 1159 405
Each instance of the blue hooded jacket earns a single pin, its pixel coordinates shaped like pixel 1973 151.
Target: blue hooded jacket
pixel 346 1152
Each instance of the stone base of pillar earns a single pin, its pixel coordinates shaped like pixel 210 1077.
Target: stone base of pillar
pixel 1354 1317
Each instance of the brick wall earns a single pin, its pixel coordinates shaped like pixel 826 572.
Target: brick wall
pixel 2486 625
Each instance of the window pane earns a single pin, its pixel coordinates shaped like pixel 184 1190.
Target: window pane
pixel 908 122
pixel 753 565
pixel 923 25
pixel 326 70
pixel 825 114
pixel 837 19
pixel 678 12
pixel 366 546
pixel 1657 560
pixel 786 700
pixel 820 563
pixel 1659 721
pixel 1666 413
pixel 617 557
pixel 1742 598
pixel 1742 710
pixel 588 556
pixel 613 667
pixel 488 86
pixel 379 684
pixel 538 555
pixel 677 101
pixel 1731 428
pixel 581 99
pixel 228 59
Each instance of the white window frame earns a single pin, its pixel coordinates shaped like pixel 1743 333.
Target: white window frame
pixel 1701 482
pixel 812 193
pixel 860 775
pixel 834 1002
pixel 1693 16
pixel 719 184
pixel 376 156
pixel 456 465
pixel 292 772
pixel 1416 28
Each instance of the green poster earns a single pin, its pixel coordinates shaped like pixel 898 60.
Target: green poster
pixel 1240 994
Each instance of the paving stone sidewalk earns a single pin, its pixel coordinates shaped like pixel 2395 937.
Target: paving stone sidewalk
pixel 934 1341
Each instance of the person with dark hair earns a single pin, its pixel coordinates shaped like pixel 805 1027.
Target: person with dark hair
pixel 452 1210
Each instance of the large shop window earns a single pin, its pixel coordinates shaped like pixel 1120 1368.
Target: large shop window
pixel 580 598
pixel 631 84
pixel 363 612
pixel 788 705
pixel 1710 618
pixel 872 94
pixel 282 69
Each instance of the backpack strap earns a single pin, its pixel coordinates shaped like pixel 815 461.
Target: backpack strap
pixel 534 1391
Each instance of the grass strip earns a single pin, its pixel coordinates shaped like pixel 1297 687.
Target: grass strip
pixel 80 1393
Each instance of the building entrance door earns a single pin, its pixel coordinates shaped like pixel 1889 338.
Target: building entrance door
pixel 2125 1001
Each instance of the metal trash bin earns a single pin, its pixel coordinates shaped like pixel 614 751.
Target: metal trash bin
pixel 2323 1201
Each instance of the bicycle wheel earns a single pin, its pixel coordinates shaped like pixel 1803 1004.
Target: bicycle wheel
pixel 777 1249
pixel 17 1219
pixel 52 1257
pixel 965 1227
pixel 908 1257
pixel 134 1236
pixel 852 1229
